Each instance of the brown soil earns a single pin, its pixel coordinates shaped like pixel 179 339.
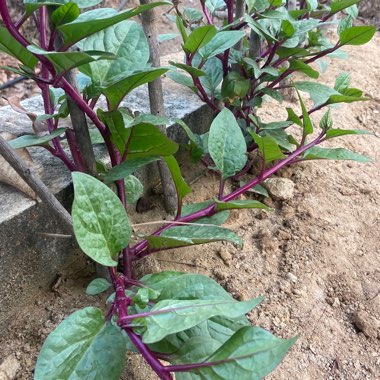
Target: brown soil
pixel 315 258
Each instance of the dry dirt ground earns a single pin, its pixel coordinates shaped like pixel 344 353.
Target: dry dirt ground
pixel 316 258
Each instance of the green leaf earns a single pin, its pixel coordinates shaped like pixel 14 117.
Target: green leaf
pixel 339 5
pixel 123 85
pixel 333 99
pixel 235 86
pixel 183 80
pixel 95 136
pixel 101 225
pixel 127 41
pixel 32 5
pixel 194 350
pixel 158 281
pixel 128 167
pixel 319 93
pixel 304 26
pixel 213 5
pixel 317 152
pixel 241 204
pixel 275 125
pixel 254 65
pixel 352 11
pixel 293 117
pixel 354 92
pixel 10 46
pixel 143 296
pixel 331 133
pixel 134 189
pixel 194 72
pixel 33 140
pixel 298 65
pixel 98 19
pixel 345 23
pixel 181 28
pixel 312 4
pixel 217 219
pixel 115 123
pixel 306 121
pixel 214 73
pixel 280 136
pixel 260 29
pixel 342 82
pixel 326 122
pixel 191 235
pixel 357 35
pixel 181 186
pixel 195 142
pixel 16 71
pixel 193 15
pixel 96 286
pixel 217 328
pixel 251 353
pixel 291 52
pixel 64 61
pixel 191 286
pixel 171 316
pixel 287 28
pixel 83 344
pixel 258 189
pixel 149 119
pixel 221 42
pixel 268 147
pixel 146 140
pixel 65 13
pixel 276 95
pixel 199 37
pixel 226 144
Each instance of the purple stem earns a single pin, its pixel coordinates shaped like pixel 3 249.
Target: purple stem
pixel 43 27
pixel 202 93
pixel 230 20
pixel 60 153
pixel 206 12
pixel 148 355
pixel 19 23
pixel 84 106
pixel 121 300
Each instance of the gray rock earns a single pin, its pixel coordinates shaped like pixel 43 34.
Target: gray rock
pixel 280 188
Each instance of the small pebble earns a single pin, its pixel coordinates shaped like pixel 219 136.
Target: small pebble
pixel 292 277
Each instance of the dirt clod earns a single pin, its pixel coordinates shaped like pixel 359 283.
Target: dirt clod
pixel 9 368
pixel 225 255
pixel 280 188
pixel 365 323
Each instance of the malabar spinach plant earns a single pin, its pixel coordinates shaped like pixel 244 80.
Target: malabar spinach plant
pixel 236 64
pixel 179 322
